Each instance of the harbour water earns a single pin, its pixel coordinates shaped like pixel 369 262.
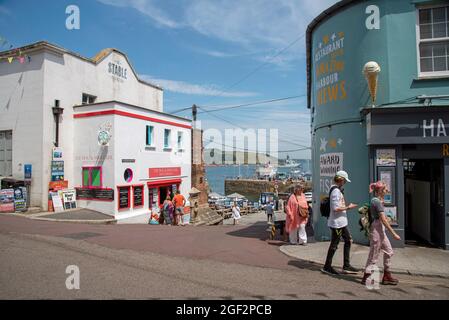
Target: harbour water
pixel 216 175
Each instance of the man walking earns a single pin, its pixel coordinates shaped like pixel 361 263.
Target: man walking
pixel 269 211
pixel 179 201
pixel 338 224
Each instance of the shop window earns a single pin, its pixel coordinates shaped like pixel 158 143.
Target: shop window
pixel 167 135
pixel 138 196
pixel 6 153
pixel 128 175
pixel 92 177
pixel 88 98
pixel 124 197
pixel 149 136
pixel 433 41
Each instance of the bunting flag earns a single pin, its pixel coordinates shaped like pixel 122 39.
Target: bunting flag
pixel 10 59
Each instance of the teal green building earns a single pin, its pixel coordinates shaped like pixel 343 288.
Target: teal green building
pixel 401 137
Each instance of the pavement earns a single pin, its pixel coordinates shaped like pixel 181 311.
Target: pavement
pixel 412 260
pixel 74 215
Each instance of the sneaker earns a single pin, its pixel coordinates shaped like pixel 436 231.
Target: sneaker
pixel 330 271
pixel 350 270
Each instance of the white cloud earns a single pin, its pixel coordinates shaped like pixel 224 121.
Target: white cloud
pixel 4 10
pixel 195 89
pixel 249 24
pixel 148 8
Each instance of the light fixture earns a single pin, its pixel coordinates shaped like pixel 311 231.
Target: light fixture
pixel 371 71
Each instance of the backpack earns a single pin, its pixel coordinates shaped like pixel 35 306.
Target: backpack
pixel 325 205
pixel 366 219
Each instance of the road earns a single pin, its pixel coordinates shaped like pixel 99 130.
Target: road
pixel 166 262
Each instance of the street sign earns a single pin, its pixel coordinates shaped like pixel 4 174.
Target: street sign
pixel 28 170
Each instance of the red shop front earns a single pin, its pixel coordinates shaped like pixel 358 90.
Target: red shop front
pixel 169 182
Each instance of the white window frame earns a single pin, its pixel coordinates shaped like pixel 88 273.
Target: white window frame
pixel 152 136
pixel 432 74
pixel 180 144
pixel 168 147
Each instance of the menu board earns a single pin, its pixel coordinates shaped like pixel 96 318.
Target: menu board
pixel 123 197
pixel 94 194
pixel 138 196
pixel 69 199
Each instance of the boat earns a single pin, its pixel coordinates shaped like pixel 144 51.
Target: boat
pixel 266 171
pixel 289 163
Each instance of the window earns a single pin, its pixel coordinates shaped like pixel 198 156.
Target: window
pixel 6 153
pixel 88 98
pixel 180 141
pixel 167 134
pixel 150 135
pixel 92 177
pixel 433 40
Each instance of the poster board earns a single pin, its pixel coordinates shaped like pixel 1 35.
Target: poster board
pixel 7 200
pixel 57 202
pixel 386 157
pixel 137 196
pixel 123 198
pixel 69 199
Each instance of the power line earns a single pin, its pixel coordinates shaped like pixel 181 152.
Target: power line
pixel 282 140
pixel 253 103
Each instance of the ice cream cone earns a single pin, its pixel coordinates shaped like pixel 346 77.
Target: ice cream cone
pixel 371 71
pixel 372 85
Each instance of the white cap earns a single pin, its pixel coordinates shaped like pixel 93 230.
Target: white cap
pixel 343 174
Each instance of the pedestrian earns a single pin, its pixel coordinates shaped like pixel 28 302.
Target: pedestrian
pixel 179 202
pixel 297 216
pixel 167 210
pixel 338 224
pixel 236 213
pixel 269 211
pixel 377 236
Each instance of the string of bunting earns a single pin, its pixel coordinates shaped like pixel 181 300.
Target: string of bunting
pixel 20 57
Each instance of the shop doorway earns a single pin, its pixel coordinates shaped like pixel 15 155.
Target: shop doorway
pixel 424 202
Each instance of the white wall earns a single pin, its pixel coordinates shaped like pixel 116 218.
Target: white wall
pixel 21 96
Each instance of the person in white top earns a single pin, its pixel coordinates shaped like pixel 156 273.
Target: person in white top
pixel 338 224
pixel 236 213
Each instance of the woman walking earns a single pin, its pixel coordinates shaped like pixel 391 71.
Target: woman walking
pixel 378 238
pixel 297 216
pixel 236 213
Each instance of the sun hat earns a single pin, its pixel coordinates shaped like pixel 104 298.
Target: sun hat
pixel 343 174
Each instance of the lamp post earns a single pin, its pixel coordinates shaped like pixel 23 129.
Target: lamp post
pixel 371 71
pixel 57 111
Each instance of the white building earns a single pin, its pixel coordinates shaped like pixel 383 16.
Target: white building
pixel 113 134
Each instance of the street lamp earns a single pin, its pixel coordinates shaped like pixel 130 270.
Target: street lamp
pixel 371 71
pixel 57 111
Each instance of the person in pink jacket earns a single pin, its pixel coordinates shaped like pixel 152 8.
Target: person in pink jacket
pixel 295 223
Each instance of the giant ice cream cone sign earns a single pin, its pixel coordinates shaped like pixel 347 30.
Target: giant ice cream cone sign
pixel 371 71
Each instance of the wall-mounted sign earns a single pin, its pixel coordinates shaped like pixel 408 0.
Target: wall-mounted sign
pixel 57 170
pixel 391 214
pixel 57 154
pixel 123 197
pixel 95 194
pixel 28 170
pixel 164 172
pixel 128 160
pixel 387 176
pixel 330 163
pixel 104 134
pixel 137 196
pixel 445 150
pixel 386 157
pixel 116 69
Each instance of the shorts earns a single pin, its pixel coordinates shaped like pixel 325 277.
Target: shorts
pixel 179 210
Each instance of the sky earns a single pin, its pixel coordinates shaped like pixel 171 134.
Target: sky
pixel 212 53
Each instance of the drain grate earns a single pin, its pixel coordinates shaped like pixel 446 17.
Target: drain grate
pixel 81 235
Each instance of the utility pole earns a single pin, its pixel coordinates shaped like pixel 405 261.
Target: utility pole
pixel 194 111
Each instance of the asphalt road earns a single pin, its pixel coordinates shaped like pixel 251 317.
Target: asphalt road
pixel 164 262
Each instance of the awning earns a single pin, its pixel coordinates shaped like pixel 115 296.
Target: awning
pixel 163 183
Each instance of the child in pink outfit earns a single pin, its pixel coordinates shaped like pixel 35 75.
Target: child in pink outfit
pixel 378 238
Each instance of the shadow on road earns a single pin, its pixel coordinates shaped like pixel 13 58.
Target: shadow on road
pixel 307 265
pixel 257 230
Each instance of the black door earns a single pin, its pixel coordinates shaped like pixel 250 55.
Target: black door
pixel 437 218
